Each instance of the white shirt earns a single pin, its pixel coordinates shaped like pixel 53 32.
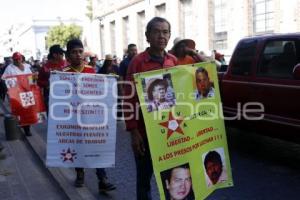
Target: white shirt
pixel 155 105
pixel 14 70
pixel 210 94
pixel 223 178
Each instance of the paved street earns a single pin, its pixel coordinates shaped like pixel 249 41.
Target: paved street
pixel 123 175
pixel 260 166
pixel 263 169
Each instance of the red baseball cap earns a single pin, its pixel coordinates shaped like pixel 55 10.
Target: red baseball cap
pixel 17 56
pixel 218 56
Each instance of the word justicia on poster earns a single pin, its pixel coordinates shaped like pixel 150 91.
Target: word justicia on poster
pixel 185 129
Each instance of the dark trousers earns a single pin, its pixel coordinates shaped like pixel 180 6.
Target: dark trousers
pixel 26 129
pixel 144 171
pixel 46 99
pixel 3 89
pixel 100 172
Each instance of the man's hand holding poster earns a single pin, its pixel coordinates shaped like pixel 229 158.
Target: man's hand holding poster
pixel 185 129
pixel 82 120
pixel 25 98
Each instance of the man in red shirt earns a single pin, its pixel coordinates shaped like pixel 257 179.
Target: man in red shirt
pixel 55 62
pixel 75 56
pixel 155 57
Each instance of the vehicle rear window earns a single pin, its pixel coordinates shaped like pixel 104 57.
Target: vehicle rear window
pixel 243 58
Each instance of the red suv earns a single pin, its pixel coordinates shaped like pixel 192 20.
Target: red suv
pixel 264 70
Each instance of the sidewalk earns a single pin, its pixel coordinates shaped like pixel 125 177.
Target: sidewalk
pixel 22 174
pixel 60 181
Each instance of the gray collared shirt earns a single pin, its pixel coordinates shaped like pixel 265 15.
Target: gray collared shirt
pixel 199 96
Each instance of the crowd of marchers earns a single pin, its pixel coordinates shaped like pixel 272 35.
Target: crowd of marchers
pixel 74 59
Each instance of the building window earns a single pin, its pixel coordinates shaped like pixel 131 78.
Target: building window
pixel 185 18
pixel 160 10
pixel 102 43
pixel 141 30
pixel 220 19
pixel 220 40
pixel 220 24
pixel 113 37
pixel 263 14
pixel 126 31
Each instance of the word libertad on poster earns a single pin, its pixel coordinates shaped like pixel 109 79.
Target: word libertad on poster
pixel 185 129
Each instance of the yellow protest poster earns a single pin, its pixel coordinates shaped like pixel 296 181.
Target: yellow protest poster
pixel 185 129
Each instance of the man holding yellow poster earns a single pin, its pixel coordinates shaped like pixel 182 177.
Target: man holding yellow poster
pixel 186 135
pixel 158 33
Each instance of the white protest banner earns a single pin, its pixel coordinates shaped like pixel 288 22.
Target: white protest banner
pixel 82 120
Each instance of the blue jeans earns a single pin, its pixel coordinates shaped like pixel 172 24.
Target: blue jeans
pixel 144 173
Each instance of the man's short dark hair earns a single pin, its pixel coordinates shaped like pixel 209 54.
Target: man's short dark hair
pixel 201 70
pixel 55 49
pixel 166 175
pixel 212 156
pixel 74 43
pixel 156 82
pixel 153 21
pixel 131 45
